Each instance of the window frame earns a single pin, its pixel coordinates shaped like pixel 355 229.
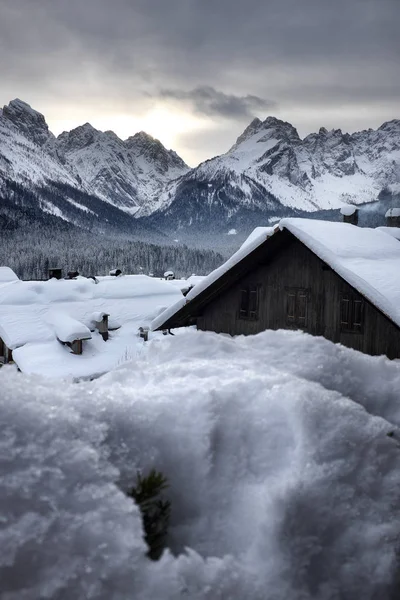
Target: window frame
pixel 249 302
pixel 295 299
pixel 354 320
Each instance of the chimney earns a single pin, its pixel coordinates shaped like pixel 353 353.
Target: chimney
pixel 393 217
pixel 115 272
pixel 101 323
pixel 55 273
pixel 349 214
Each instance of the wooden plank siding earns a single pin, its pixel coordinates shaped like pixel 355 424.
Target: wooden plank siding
pixel 294 280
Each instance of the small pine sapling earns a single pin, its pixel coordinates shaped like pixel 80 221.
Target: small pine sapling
pixel 155 510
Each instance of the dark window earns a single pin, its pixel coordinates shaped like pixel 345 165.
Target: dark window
pixel 297 307
pixel 248 308
pixel 351 313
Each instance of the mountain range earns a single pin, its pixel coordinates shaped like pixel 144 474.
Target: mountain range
pixel 92 178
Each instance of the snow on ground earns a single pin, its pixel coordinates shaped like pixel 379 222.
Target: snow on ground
pixel 282 485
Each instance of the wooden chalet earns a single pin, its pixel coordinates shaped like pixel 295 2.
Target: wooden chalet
pixel 328 279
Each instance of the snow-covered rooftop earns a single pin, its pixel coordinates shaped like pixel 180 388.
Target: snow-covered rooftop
pixel 7 275
pixel 33 314
pixel 368 259
pixel 393 212
pixel 393 231
pixel 252 242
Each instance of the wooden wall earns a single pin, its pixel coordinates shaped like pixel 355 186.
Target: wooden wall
pixel 296 272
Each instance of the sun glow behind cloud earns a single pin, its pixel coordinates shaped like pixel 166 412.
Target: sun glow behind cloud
pixel 165 124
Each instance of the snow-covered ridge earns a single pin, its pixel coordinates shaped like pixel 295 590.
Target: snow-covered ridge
pixel 127 174
pixel 269 169
pixel 270 166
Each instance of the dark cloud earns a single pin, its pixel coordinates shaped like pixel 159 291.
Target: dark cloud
pixel 113 56
pixel 208 101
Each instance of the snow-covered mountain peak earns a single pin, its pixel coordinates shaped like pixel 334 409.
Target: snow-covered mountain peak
pixel 30 123
pixel 144 145
pixel 283 128
pixel 78 138
pixel 250 130
pixel 391 126
pixel 140 137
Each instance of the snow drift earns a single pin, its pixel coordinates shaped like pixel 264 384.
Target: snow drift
pixel 281 486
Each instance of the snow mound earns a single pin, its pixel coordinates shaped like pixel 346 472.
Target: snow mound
pixel 66 328
pixel 7 275
pixel 347 210
pixel 281 486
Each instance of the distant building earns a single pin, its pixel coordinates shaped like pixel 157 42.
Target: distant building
pixel 330 279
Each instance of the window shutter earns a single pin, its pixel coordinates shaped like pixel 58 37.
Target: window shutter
pixel 291 307
pixel 244 303
pixel 357 315
pixel 253 302
pixel 301 308
pixel 345 311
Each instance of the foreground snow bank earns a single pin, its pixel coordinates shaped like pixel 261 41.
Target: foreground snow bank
pixel 281 487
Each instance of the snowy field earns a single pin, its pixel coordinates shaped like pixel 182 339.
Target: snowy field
pixel 284 483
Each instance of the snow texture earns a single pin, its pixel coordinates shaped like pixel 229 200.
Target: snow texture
pixel 347 210
pixel 7 275
pixel 256 233
pixel 393 231
pixel 283 480
pixel 34 313
pixel 392 212
pixel 66 328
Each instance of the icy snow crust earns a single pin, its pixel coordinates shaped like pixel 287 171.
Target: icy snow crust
pixel 282 485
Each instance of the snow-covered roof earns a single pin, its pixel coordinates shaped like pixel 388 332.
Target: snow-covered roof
pixel 393 231
pixel 256 234
pixel 252 242
pixel 368 259
pixel 393 212
pixel 347 210
pixel 7 275
pixel 66 328
pixel 38 312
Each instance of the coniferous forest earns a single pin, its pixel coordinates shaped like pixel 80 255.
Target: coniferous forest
pixel 32 241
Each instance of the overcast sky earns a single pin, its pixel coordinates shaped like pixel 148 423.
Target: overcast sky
pixel 195 72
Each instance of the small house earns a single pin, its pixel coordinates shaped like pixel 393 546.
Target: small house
pixel 331 279
pixel 393 217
